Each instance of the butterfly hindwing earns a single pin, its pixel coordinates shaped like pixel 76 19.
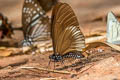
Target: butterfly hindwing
pixel 65 32
pixel 71 40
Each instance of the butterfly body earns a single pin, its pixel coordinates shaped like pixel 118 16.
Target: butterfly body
pixel 58 57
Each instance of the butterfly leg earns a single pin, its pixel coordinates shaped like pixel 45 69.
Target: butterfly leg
pixel 62 62
pixel 49 63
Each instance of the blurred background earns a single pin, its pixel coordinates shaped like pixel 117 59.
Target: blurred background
pixel 91 13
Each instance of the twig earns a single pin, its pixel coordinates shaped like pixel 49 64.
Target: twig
pixel 49 70
pixel 48 79
pixel 95 39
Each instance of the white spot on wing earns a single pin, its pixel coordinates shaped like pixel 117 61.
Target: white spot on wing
pixel 35 5
pixel 34 12
pixel 32 2
pixel 37 15
pixel 26 1
pixel 38 9
pixel 0 22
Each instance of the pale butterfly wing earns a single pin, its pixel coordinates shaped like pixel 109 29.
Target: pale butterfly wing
pixel 113 29
pixel 35 22
pixel 1 22
pixel 66 35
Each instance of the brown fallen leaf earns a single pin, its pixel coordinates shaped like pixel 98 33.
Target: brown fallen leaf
pixel 4 52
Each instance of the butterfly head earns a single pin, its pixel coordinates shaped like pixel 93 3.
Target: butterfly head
pixel 55 57
pixel 27 41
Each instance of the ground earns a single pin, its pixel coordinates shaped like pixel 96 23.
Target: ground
pixel 102 64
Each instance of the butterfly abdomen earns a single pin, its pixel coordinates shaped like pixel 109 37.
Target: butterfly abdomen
pixel 74 55
pixel 58 57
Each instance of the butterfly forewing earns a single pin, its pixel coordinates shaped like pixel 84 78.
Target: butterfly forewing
pixel 34 20
pixel 65 31
pixel 29 11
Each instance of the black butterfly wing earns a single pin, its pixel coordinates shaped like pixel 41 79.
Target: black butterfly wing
pixel 40 30
pixel 65 32
pixel 34 20
pixel 47 4
pixel 29 12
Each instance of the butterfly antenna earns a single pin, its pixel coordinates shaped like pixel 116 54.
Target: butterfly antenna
pixel 20 28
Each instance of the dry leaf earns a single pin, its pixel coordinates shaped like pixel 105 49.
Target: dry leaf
pixel 49 70
pixel 114 46
pixel 9 51
pixel 4 52
pixel 25 49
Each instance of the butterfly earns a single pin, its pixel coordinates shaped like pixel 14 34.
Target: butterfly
pixel 113 29
pixel 47 4
pixel 5 27
pixel 67 38
pixel 35 23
